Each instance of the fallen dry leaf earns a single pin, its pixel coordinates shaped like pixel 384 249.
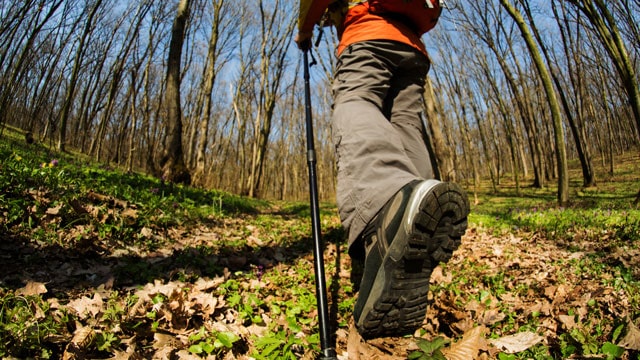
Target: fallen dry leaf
pixel 32 288
pixel 203 284
pixel 130 213
pixel 355 344
pixel 54 210
pixel 491 317
pixel 568 321
pixel 631 341
pixel 129 354
pixel 205 303
pixel 516 343
pixel 87 307
pixel 82 339
pixel 469 346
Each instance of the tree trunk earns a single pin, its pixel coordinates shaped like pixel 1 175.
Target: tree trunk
pixel 71 86
pixel 16 71
pixel 561 153
pixel 207 87
pixel 275 39
pixel 442 162
pixel 604 24
pixel 588 173
pixel 172 160
pixel 483 139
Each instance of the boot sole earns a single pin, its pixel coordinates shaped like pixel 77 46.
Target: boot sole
pixel 431 231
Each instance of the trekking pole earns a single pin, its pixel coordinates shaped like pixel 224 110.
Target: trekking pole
pixel 328 351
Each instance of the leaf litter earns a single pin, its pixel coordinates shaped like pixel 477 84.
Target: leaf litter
pixel 505 293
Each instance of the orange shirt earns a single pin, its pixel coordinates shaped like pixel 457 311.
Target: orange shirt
pixel 360 25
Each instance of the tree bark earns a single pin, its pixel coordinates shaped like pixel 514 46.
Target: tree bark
pixel 442 162
pixel 605 26
pixel 209 78
pixel 71 87
pixel 172 160
pixel 588 174
pixel 543 72
pixel 275 38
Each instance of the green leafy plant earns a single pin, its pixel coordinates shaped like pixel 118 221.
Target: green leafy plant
pixel 429 350
pixel 215 343
pixel 178 235
pixel 612 351
pixel 26 322
pixel 277 344
pixel 106 341
pixel 114 312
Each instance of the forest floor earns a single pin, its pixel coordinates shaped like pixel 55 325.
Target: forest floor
pixel 90 268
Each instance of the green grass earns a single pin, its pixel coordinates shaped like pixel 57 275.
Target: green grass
pixel 35 181
pixel 608 207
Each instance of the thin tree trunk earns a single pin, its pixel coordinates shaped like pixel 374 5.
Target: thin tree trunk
pixel 207 88
pixel 483 140
pixel 172 160
pixel 588 174
pixel 561 154
pixel 71 86
pixel 17 68
pixel 275 39
pixel 133 113
pixel 118 72
pixel 607 30
pixel 442 162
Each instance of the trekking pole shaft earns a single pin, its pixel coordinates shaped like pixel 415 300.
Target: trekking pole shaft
pixel 328 352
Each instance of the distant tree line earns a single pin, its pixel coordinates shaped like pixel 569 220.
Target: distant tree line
pixel 209 92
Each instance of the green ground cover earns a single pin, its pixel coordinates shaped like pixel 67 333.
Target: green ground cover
pixel 98 263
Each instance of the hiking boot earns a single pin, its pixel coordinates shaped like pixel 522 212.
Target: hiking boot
pixel 418 228
pixel 357 270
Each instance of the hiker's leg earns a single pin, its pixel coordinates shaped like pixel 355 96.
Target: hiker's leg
pixel 375 157
pixel 404 106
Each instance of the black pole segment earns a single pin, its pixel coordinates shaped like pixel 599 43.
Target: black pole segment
pixel 328 351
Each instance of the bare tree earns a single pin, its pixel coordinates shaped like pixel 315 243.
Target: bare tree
pixel 580 98
pixel 219 40
pixel 16 69
pixel 543 72
pixel 172 161
pixel 606 28
pixel 117 73
pixel 442 161
pixel 77 64
pixel 275 38
pixel 241 103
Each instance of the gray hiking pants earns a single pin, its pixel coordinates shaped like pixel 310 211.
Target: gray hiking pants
pixel 377 128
